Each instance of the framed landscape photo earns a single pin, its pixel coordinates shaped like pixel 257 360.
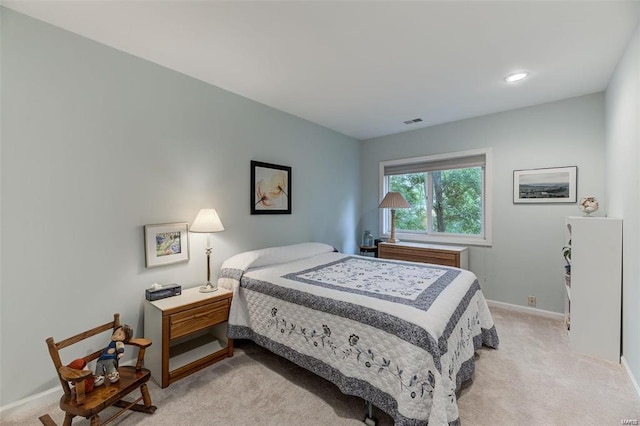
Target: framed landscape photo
pixel 270 188
pixel 552 185
pixel 166 243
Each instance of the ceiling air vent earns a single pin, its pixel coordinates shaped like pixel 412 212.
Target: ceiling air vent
pixel 415 120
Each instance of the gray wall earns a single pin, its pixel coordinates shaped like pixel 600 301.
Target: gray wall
pixel 525 258
pixel 623 184
pixel 97 143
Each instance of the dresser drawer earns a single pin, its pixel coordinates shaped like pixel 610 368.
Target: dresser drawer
pixel 424 253
pixel 195 319
pixel 446 260
pixel 425 257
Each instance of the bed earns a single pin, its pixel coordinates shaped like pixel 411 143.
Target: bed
pixel 400 335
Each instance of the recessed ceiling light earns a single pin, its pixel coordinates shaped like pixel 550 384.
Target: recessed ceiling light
pixel 516 77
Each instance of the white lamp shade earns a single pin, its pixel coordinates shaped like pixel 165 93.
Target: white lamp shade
pixel 394 200
pixel 207 221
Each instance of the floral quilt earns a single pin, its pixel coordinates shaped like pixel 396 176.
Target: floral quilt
pixel 400 335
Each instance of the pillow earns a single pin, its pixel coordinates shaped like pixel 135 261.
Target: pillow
pixel 284 254
pixel 233 268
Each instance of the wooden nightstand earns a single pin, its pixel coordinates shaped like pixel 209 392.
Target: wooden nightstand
pixel 189 333
pixel 426 253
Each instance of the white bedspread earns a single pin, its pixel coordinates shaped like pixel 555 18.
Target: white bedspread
pixel 401 335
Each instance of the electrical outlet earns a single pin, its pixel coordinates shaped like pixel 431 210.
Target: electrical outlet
pixel 531 300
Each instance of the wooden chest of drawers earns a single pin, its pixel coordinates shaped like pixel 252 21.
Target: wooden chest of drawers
pixel 425 253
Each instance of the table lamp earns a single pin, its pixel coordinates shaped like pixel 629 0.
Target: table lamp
pixel 207 221
pixel 393 201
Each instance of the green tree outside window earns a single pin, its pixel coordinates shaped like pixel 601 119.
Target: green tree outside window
pixel 456 205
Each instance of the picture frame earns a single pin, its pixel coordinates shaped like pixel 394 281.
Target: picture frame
pixel 270 188
pixel 166 243
pixel 545 185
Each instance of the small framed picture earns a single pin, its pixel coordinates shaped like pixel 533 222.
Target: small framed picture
pixel 166 243
pixel 552 185
pixel 270 188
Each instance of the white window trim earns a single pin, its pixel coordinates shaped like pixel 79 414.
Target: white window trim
pixel 439 237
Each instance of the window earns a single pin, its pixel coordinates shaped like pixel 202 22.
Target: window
pixel 449 195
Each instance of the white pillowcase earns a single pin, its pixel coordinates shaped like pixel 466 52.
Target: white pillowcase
pixel 284 254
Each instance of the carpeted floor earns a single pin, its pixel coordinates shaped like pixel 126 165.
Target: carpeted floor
pixel 532 379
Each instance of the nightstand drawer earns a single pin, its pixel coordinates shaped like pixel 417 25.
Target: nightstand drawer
pixel 195 319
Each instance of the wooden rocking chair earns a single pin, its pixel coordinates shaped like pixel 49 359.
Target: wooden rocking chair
pixel 77 402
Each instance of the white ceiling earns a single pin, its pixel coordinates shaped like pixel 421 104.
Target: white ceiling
pixel 364 67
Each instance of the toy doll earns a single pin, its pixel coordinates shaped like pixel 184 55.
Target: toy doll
pixel 108 360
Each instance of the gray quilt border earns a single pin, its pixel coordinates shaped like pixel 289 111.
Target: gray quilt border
pixel 490 337
pixel 347 385
pixel 403 329
pixel 422 302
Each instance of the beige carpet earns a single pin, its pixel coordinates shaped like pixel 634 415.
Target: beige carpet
pixel 532 379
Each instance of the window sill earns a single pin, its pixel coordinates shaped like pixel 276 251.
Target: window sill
pixel 438 239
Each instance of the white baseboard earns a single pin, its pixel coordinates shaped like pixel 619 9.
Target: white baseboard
pixel 30 403
pixel 624 363
pixel 526 310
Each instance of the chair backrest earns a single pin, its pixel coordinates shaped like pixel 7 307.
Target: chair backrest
pixel 54 347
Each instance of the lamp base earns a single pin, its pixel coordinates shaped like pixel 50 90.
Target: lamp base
pixel 393 240
pixel 208 288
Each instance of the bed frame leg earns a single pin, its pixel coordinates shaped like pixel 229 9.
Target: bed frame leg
pixel 369 419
